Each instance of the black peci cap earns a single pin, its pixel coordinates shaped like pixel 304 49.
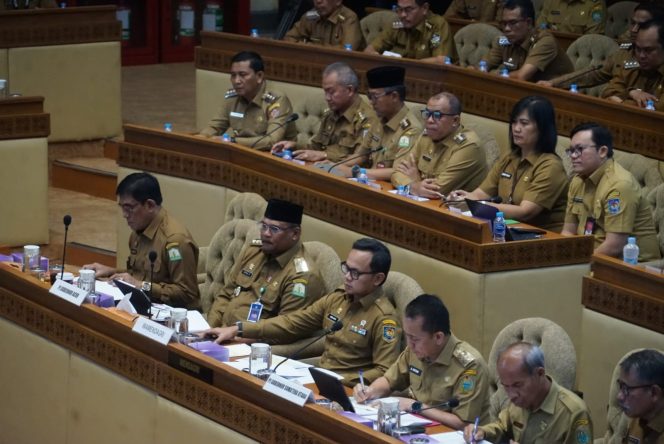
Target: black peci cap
pixel 386 76
pixel 284 211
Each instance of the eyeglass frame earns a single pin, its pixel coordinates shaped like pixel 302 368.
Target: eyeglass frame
pixel 627 389
pixel 274 229
pixel 354 273
pixel 577 150
pixel 511 23
pixel 436 114
pixel 407 10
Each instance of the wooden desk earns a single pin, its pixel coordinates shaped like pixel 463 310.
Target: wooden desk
pixel 423 228
pixel 634 130
pixel 23 118
pixel 230 397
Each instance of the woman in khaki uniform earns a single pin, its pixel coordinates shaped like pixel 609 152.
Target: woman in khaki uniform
pixel 530 180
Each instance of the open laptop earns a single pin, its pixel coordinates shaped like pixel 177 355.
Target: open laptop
pixel 139 299
pixel 481 210
pixel 331 387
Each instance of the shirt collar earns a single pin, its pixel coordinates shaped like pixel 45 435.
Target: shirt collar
pixel 334 17
pixel 395 121
pixel 549 403
pixel 284 258
pixel 151 229
pixel 349 114
pixel 596 176
pixel 657 423
pixel 258 99
pixel 369 299
pixel 445 356
pixel 422 27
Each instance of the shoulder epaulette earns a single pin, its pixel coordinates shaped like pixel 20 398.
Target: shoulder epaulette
pixel 631 64
pixel 626 46
pixel 230 94
pixel 460 138
pixel 342 18
pixel 268 97
pixel 463 356
pixel 428 26
pixel 397 24
pixel 256 242
pixel 405 123
pixel 503 41
pixel 361 116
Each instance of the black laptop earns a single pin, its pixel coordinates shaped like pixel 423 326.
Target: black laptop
pixel 139 299
pixel 330 387
pixel 481 210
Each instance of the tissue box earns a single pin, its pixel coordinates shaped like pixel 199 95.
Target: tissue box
pixel 211 349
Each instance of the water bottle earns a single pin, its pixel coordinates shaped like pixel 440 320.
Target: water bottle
pixel 362 177
pixel 401 190
pixel 348 47
pixel 483 66
pixel 254 33
pixel 504 72
pixel 226 138
pixel 573 88
pixel 288 155
pixel 631 251
pixel 499 227
pixel 168 127
pixel 650 105
pixel 448 60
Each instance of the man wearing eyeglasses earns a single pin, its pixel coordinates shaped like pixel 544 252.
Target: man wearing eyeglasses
pixel 604 199
pixel 480 10
pixel 330 23
pixel 527 53
pixel 273 275
pixel 418 34
pixel 173 281
pixel 641 397
pixel 643 82
pixel 447 157
pixel 370 337
pixel 573 16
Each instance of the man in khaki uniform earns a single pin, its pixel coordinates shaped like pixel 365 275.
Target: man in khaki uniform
pixel 540 411
pixel 349 129
pixel 480 10
pixel 370 336
pixel 624 57
pixel 330 23
pixel 604 199
pixel 573 16
pixel 27 4
pixel 641 397
pixel 435 367
pixel 273 275
pixel 527 53
pixel 153 229
pixel 401 127
pixel 253 114
pixel 418 34
pixel 446 158
pixel 637 84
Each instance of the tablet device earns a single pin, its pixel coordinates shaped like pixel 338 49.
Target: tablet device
pixel 481 210
pixel 518 234
pixel 331 387
pixel 138 298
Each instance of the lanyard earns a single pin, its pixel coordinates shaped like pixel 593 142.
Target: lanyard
pixel 515 181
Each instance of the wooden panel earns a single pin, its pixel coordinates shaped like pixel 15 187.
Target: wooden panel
pixel 634 130
pixel 45 27
pixel 23 118
pixel 421 227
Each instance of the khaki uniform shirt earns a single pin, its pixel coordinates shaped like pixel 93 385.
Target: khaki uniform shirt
pixel 342 27
pixel 593 77
pixel 459 371
pixel 562 418
pixel 456 162
pixel 646 432
pixel 368 341
pixel 430 38
pixel 356 131
pixel 540 50
pixel 480 10
pixel 539 178
pixel 248 121
pixel 574 16
pixel 612 198
pixel 282 284
pixel 399 136
pixel 174 281
pixel 630 77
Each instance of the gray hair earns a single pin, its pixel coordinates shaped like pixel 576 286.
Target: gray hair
pixel 452 100
pixel 345 74
pixel 533 357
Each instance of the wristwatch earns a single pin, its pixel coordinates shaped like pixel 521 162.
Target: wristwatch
pixel 238 324
pixel 146 286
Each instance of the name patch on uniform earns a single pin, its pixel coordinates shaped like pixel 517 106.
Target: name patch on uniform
pixel 247 273
pixel 236 114
pixel 414 370
pixel 426 158
pixel 614 205
pixel 506 175
pixel 633 440
pixel 577 199
pixel 332 317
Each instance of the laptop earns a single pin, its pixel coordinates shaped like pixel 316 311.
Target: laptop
pixel 139 299
pixel 331 387
pixel 481 210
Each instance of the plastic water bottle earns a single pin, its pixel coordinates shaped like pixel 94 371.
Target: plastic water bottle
pixel 254 33
pixel 288 155
pixel 499 227
pixel 362 177
pixel 348 47
pixel 631 251
pixel 483 66
pixel 226 138
pixel 504 72
pixel 650 105
pixel 573 88
pixel 448 60
pixel 168 127
pixel 401 190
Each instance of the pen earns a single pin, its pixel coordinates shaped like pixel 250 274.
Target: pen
pixel 477 422
pixel 361 372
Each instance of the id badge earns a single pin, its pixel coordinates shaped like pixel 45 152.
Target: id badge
pixel 590 226
pixel 255 311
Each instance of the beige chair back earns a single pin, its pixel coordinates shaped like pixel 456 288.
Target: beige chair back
pixel 591 50
pixel 311 112
pixel 375 23
pixel 474 42
pixel 245 206
pixel 617 18
pixel 558 349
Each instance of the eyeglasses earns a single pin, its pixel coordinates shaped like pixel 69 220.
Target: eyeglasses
pixel 129 208
pixel 437 115
pixel 510 23
pixel 646 51
pixel 407 10
pixel 627 389
pixel 354 274
pixel 577 150
pixel 273 229
pixel 375 96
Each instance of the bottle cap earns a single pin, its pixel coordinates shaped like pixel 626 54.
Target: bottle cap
pixel 631 240
pixel 500 214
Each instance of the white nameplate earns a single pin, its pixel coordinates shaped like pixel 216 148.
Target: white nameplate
pixel 392 54
pixel 288 390
pixel 236 114
pixel 153 330
pixel 68 292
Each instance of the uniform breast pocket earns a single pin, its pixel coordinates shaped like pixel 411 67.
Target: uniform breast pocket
pixel 347 144
pixel 270 297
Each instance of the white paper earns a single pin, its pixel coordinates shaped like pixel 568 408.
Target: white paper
pixel 107 288
pixel 370 412
pixel 292 370
pixel 453 438
pixel 392 54
pixel 197 322
pixel 126 305
pixel 236 350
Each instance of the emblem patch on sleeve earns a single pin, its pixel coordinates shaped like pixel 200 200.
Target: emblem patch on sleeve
pixel 389 332
pixel 173 252
pixel 299 290
pixel 582 433
pixel 614 205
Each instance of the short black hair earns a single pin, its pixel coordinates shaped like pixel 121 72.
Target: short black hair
pixel 254 59
pixel 141 187
pixel 433 312
pixel 648 365
pixel 526 6
pixel 600 134
pixel 659 24
pixel 381 259
pixel 421 2
pixel 656 11
pixel 540 110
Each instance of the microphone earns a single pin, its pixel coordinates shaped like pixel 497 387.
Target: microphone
pixel 152 255
pixel 67 221
pixel 338 325
pixel 292 118
pixel 447 405
pixel 375 150
pixel 581 73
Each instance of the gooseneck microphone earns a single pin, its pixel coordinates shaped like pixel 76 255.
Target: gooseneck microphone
pixel 292 118
pixel 375 150
pixel 492 199
pixel 67 221
pixel 338 325
pixel 447 405
pixel 152 255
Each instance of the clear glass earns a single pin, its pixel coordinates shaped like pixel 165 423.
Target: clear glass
pixel 30 258
pixel 260 357
pixel 389 418
pixel 179 322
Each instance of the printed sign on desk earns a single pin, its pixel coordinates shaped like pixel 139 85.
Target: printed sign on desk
pixel 68 292
pixel 153 330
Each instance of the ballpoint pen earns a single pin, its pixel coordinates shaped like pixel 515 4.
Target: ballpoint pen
pixel 361 372
pixel 477 423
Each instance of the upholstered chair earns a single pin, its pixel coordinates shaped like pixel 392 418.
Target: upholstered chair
pixel 245 206
pixel 591 50
pixel 310 111
pixel 617 18
pixel 474 42
pixel 374 23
